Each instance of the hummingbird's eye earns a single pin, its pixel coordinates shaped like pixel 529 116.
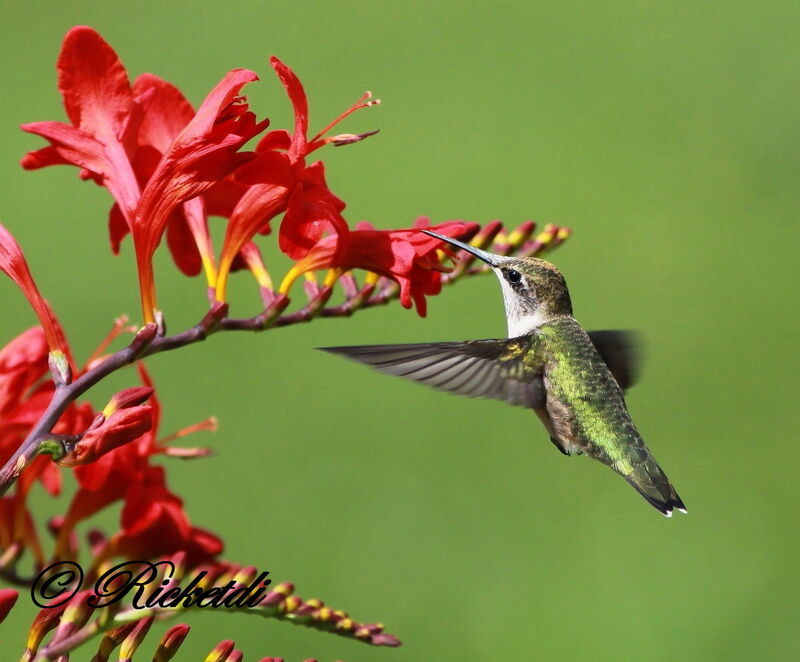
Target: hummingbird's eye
pixel 513 276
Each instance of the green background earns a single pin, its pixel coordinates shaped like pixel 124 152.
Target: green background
pixel 666 134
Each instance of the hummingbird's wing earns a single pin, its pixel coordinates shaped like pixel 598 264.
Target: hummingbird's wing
pixel 621 350
pixel 501 369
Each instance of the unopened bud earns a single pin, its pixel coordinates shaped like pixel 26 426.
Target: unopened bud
pixel 59 368
pixel 45 621
pixel 171 642
pixel 142 340
pixel 8 596
pixel 111 640
pixel 134 639
pixel 129 397
pixel 120 428
pixel 221 651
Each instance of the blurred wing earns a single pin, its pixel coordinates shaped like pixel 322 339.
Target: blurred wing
pixel 497 369
pixel 621 352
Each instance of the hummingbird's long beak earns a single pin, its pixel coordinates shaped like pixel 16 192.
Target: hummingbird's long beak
pixel 490 258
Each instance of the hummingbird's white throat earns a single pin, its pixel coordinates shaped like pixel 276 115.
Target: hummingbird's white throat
pixel 521 316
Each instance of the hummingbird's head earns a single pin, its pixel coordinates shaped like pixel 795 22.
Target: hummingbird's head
pixel 534 291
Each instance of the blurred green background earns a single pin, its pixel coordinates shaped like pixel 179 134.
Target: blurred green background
pixel 665 134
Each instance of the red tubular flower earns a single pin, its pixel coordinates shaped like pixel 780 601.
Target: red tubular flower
pixel 147 136
pixel 107 480
pixel 407 256
pixel 204 152
pixel 166 112
pixel 154 524
pixel 99 103
pixel 13 264
pixel 120 428
pixel 150 510
pixel 279 180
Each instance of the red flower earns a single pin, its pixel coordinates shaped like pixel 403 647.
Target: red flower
pixel 407 256
pixel 166 113
pixel 107 480
pixel 204 152
pixel 13 264
pixel 278 180
pixel 23 365
pixel 125 473
pixel 23 362
pixel 155 524
pixel 99 102
pixel 181 156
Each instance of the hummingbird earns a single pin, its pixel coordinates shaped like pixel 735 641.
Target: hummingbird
pixel 572 380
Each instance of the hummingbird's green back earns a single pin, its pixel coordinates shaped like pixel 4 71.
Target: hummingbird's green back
pixel 588 413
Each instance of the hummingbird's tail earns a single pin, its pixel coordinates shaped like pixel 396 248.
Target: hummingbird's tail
pixel 652 483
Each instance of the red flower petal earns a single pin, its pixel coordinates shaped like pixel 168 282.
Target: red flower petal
pixel 13 263
pixel 69 145
pixel 167 112
pixel 297 96
pixel 23 362
pixel 181 245
pixel 94 84
pixel 99 102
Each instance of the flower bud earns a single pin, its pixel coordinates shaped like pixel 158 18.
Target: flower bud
pixel 171 642
pixel 60 368
pixel 120 428
pixel 129 397
pixel 75 616
pixel 8 596
pixel 221 651
pixel 134 639
pixel 111 640
pixel 46 620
